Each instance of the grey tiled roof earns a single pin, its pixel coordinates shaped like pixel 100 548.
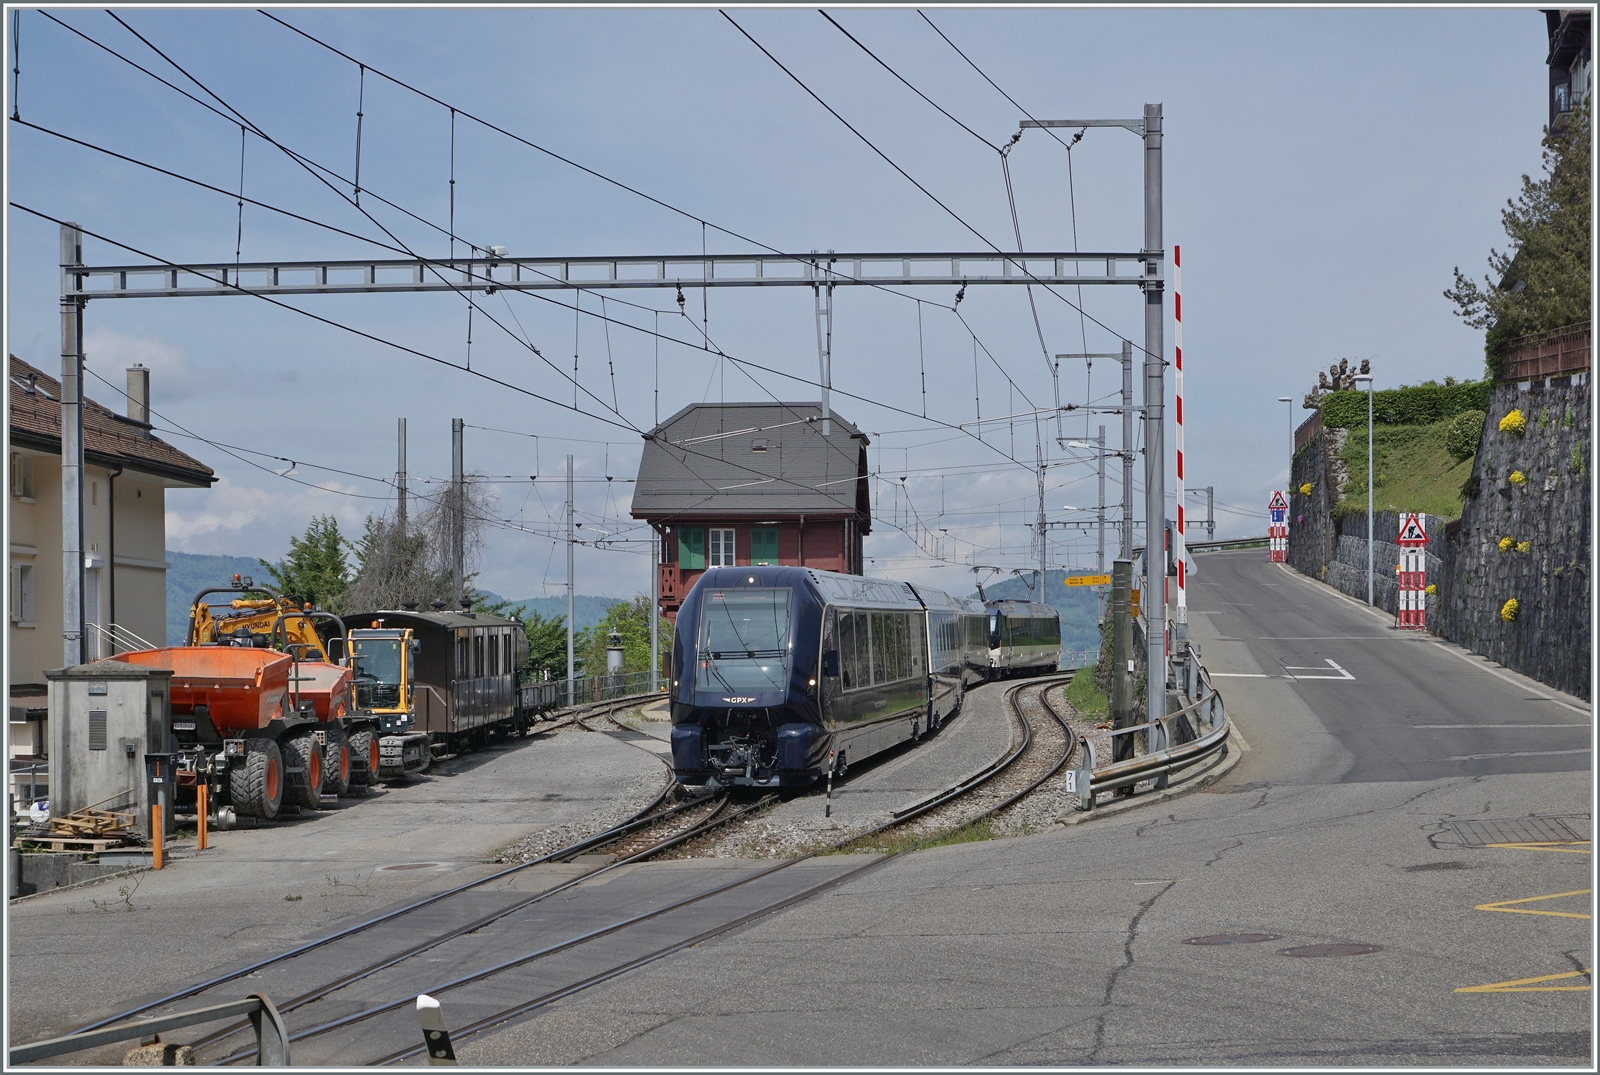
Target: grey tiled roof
pixel 703 462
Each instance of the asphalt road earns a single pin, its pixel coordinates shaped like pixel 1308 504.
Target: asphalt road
pixel 1392 794
pixel 1358 815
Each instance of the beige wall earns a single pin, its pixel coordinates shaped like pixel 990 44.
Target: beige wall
pixel 35 540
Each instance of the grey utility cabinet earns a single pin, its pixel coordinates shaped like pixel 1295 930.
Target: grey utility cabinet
pixel 104 718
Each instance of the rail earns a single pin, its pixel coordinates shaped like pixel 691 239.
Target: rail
pixel 272 1036
pixel 1171 744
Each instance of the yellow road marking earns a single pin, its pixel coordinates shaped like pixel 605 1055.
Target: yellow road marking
pixel 1530 985
pixel 1506 905
pixel 1549 845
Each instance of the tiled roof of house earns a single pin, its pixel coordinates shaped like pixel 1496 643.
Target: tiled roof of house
pixel 34 415
pixel 752 460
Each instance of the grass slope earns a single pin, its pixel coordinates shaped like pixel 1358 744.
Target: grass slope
pixel 1414 471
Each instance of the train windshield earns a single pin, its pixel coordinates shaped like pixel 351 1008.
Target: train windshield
pixel 994 630
pixel 377 671
pixel 744 640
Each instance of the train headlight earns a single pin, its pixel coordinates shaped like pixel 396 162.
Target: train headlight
pixel 812 682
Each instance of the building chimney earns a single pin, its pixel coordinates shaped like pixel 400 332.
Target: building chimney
pixel 139 394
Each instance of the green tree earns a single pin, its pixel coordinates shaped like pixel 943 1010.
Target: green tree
pixel 316 568
pixel 631 620
pixel 1542 281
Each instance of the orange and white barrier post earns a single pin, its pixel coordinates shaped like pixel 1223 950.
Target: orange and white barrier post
pixel 1412 574
pixel 1278 527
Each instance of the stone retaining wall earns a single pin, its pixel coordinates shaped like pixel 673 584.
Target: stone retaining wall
pixel 1550 638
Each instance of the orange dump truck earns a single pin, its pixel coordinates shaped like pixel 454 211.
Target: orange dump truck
pixel 252 724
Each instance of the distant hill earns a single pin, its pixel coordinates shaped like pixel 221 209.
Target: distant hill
pixel 1077 605
pixel 190 573
pixel 586 609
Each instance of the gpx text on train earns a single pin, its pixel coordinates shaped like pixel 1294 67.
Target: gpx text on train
pixel 781 674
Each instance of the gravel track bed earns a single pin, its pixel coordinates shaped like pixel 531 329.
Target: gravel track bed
pixel 653 834
pixel 632 798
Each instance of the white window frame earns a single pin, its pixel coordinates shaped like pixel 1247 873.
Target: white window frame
pixel 720 548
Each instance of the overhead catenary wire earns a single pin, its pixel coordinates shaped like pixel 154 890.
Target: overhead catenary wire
pixel 310 164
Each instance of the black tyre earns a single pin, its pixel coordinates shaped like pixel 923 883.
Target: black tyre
pixel 256 783
pixel 336 766
pixel 363 759
pixel 303 766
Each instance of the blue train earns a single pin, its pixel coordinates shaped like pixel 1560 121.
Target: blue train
pixel 779 673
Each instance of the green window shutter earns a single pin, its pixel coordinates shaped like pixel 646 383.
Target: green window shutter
pixel 764 547
pixel 691 548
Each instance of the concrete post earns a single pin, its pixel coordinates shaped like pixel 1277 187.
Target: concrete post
pixel 458 512
pixel 1122 655
pixel 73 649
pixel 570 653
pixel 1125 550
pixel 400 480
pixel 1100 555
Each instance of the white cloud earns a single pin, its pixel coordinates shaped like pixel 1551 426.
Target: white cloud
pixel 245 520
pixel 109 352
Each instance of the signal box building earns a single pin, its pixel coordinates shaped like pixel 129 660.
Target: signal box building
pixel 745 484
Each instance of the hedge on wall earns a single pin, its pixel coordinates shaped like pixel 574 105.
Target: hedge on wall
pixel 1421 404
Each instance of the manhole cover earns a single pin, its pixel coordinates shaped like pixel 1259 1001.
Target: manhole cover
pixel 1312 951
pixel 1235 938
pixel 411 866
pixel 1515 830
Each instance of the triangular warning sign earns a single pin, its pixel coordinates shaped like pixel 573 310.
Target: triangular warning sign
pixel 1411 531
pixel 1279 502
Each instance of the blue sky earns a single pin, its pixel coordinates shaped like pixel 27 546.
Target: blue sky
pixel 1325 170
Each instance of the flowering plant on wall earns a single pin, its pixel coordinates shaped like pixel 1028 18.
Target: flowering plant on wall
pixel 1514 422
pixel 1506 543
pixel 1517 478
pixel 1508 611
pixel 1305 490
pixel 1430 588
pixel 1524 546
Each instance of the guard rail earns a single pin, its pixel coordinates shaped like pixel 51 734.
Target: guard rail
pixel 272 1037
pixel 1177 741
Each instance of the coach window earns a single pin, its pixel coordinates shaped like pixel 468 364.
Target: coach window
pixel 477 656
pixel 462 671
pixel 849 661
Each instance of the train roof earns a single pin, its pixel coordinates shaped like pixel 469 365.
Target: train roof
pixel 1020 608
pixel 447 620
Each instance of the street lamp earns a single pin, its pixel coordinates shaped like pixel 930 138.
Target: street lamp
pixel 1290 401
pixel 1367 377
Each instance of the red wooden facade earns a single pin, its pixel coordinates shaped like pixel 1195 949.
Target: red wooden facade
pixel 827 544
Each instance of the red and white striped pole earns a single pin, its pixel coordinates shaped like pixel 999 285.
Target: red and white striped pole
pixel 1181 617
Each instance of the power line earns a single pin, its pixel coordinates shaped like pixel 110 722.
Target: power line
pixel 957 217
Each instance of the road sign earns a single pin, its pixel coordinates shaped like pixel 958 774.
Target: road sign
pixel 1089 580
pixel 1412 531
pixel 1278 527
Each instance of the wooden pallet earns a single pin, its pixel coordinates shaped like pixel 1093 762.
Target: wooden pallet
pixel 74 843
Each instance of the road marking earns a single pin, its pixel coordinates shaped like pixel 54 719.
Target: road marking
pixel 1582 727
pixel 1530 985
pixel 1292 668
pixel 1468 657
pixel 1547 845
pixel 1242 675
pixel 1506 905
pixel 1517 754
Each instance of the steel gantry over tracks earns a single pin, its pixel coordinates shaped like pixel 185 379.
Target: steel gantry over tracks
pixel 491 274
pixel 497 272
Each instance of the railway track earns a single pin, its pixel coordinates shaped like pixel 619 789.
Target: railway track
pixel 1043 748
pixel 1037 753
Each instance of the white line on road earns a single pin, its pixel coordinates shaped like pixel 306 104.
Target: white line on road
pixel 1471 658
pixel 1517 754
pixel 1579 727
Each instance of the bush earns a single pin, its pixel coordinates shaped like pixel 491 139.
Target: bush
pixel 1419 405
pixel 1462 434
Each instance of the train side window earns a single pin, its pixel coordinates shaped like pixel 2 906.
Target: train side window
pixel 849 668
pixel 462 671
pixel 493 646
pixel 477 656
pixel 508 666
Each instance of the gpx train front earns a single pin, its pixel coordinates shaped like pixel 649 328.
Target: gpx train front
pixel 745 705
